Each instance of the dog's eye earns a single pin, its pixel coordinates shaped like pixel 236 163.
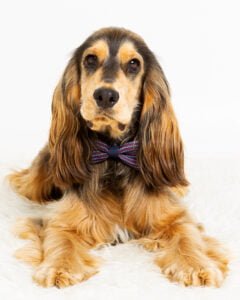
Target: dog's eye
pixel 91 61
pixel 133 66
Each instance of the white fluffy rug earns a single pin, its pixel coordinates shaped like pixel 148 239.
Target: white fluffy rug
pixel 128 271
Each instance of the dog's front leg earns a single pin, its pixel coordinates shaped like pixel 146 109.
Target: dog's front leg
pixel 65 260
pixel 63 244
pixel 162 224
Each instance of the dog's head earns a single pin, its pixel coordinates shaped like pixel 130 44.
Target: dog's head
pixel 112 68
pixel 113 85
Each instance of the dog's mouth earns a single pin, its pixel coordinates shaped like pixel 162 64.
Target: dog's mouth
pixel 104 123
pixel 108 114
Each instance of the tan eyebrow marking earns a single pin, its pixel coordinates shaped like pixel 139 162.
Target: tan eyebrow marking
pixel 99 48
pixel 127 51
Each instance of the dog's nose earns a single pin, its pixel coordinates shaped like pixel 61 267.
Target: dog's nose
pixel 106 98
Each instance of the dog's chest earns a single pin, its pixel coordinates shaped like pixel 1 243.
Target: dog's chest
pixel 121 235
pixel 116 178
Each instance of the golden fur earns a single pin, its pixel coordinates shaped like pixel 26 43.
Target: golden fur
pixel 89 203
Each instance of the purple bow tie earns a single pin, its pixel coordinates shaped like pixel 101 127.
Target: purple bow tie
pixel 127 153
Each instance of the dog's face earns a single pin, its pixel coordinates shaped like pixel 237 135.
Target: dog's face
pixel 111 81
pixel 110 85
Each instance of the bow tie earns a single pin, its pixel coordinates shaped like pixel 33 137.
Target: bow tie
pixel 126 153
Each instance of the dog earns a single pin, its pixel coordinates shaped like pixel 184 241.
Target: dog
pixel 114 163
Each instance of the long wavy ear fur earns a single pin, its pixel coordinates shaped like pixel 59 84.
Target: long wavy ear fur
pixel 161 156
pixel 69 149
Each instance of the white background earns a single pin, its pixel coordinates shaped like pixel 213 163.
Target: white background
pixel 196 42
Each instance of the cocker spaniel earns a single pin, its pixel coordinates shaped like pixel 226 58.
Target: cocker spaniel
pixel 113 164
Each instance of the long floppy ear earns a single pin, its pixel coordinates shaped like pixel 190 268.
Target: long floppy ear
pixel 161 156
pixel 67 140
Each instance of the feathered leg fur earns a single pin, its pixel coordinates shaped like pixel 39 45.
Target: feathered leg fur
pixel 59 247
pixel 36 182
pixel 183 252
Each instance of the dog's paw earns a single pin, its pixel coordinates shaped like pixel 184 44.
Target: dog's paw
pixel 188 275
pixel 48 276
pixel 196 277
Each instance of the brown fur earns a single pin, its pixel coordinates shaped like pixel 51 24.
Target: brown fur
pixel 99 200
